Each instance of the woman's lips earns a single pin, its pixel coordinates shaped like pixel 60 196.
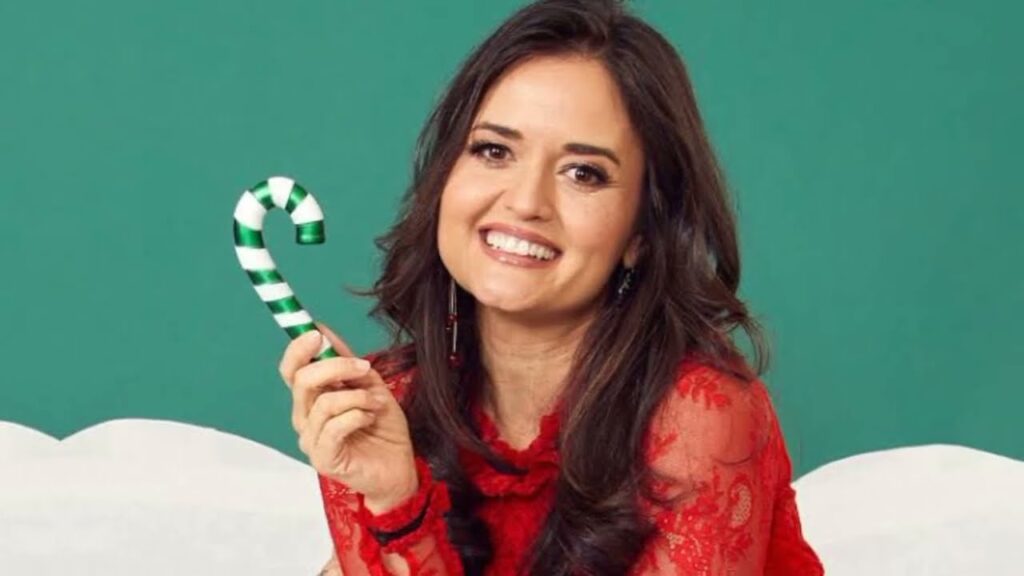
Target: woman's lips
pixel 514 259
pixel 519 232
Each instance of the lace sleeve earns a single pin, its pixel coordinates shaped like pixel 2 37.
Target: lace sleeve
pixel 424 550
pixel 720 463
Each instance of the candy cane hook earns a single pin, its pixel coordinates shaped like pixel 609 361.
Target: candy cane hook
pixel 252 253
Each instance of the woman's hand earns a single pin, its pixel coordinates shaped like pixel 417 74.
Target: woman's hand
pixel 349 424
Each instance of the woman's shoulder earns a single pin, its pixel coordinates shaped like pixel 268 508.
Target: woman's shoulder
pixel 719 390
pixel 713 415
pixel 721 476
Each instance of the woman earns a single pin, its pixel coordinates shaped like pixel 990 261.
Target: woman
pixel 562 395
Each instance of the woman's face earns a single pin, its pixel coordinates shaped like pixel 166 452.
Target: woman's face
pixel 540 206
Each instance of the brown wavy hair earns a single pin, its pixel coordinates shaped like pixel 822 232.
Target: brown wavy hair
pixel 684 298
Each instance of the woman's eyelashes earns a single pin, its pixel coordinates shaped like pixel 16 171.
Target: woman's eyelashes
pixel 584 174
pixel 480 149
pixel 595 175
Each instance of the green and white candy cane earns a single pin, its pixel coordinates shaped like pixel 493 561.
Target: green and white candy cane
pixel 252 252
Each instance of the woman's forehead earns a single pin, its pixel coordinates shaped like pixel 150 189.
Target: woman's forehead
pixel 562 98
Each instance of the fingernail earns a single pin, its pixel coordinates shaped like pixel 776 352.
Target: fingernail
pixel 313 336
pixel 380 397
pixel 362 364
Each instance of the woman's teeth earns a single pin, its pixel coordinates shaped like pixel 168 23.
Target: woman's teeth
pixel 514 245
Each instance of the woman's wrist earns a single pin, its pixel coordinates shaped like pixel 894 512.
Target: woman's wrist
pixel 382 505
pixel 386 537
pixel 397 522
pixel 411 483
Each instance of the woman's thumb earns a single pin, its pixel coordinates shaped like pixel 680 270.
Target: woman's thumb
pixel 337 343
pixel 342 349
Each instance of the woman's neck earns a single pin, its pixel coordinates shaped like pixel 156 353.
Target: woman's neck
pixel 528 367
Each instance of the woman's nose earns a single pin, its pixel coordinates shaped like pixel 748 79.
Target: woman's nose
pixel 531 197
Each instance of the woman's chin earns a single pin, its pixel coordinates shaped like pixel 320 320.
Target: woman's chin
pixel 506 305
pixel 508 302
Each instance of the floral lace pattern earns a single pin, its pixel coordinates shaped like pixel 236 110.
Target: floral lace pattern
pixel 720 460
pixel 539 460
pixel 718 447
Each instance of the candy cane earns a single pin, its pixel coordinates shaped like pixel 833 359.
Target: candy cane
pixel 252 253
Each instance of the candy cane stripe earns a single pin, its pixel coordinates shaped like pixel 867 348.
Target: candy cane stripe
pixel 269 292
pixel 289 304
pixel 261 192
pixel 250 212
pixel 245 236
pixel 250 248
pixel 309 233
pixel 296 331
pixel 259 277
pixel 295 197
pixel 288 319
pixel 254 258
pixel 280 190
pixel 306 211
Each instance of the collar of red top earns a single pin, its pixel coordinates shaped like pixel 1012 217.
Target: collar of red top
pixel 539 460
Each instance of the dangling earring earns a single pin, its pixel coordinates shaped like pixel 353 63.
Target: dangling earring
pixel 451 327
pixel 624 285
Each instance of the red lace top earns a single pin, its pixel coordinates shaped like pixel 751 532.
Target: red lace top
pixel 714 438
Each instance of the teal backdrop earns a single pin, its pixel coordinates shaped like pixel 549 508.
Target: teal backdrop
pixel 872 148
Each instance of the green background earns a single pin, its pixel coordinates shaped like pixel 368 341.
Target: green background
pixel 871 146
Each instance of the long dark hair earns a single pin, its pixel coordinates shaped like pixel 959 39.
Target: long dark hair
pixel 684 300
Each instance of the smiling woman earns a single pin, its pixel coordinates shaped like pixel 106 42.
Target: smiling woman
pixel 554 163
pixel 562 395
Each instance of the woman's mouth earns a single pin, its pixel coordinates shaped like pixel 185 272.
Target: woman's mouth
pixel 511 249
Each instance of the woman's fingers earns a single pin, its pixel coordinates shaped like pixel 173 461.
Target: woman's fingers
pixel 368 380
pixel 297 354
pixel 311 380
pixel 337 343
pixel 324 449
pixel 333 404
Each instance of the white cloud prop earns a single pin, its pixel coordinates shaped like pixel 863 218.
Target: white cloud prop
pixel 155 497
pixel 129 497
pixel 935 510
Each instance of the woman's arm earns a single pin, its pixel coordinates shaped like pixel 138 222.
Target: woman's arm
pixel 408 540
pixel 423 550
pixel 718 449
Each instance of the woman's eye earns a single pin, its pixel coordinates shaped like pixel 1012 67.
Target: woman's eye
pixel 489 151
pixel 588 175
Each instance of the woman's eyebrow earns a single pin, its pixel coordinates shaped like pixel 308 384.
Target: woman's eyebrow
pixel 571 147
pixel 510 133
pixel 585 149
